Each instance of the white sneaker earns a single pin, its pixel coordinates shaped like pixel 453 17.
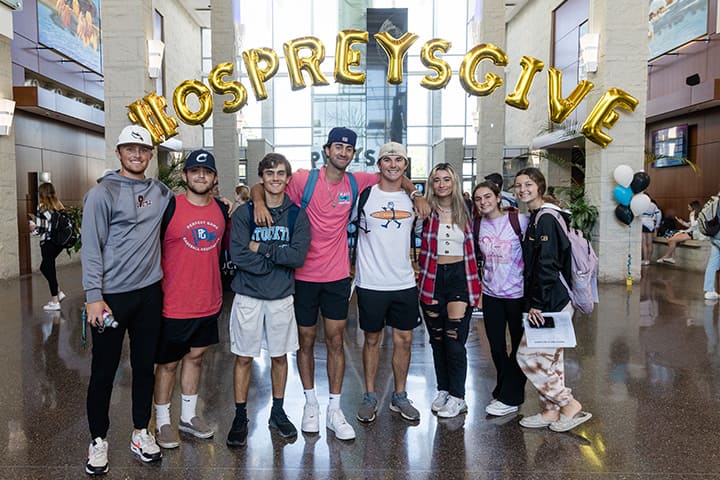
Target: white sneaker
pixel 61 296
pixel 144 446
pixel 97 462
pixel 499 409
pixel 711 295
pixel 337 423
pixel 51 306
pixel 311 418
pixel 453 407
pixel 440 400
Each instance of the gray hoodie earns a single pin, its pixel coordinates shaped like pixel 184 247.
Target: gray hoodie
pixel 121 235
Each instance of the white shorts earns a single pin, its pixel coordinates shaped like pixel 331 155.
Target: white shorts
pixel 255 323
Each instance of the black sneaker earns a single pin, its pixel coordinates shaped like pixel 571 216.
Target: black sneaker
pixel 237 436
pixel 281 424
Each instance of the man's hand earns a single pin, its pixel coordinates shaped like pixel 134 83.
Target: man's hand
pixel 261 214
pixel 95 311
pixel 422 208
pixel 253 246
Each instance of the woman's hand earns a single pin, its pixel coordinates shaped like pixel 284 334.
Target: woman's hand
pixel 535 317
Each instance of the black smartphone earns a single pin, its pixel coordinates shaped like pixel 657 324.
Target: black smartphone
pixel 549 323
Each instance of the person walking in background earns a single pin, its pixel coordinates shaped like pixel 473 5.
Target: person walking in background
pixel 41 224
pixel 713 265
pixel 546 255
pixel 498 241
pixel 449 286
pixel 689 233
pixel 242 195
pixel 651 219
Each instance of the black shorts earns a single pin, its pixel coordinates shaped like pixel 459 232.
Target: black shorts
pixel 394 308
pixel 451 283
pixel 179 335
pixel 646 230
pixel 331 298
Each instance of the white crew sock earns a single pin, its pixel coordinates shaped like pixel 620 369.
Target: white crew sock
pixel 189 404
pixel 334 401
pixel 162 415
pixel 310 396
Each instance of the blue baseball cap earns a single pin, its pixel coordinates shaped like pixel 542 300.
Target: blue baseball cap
pixel 341 135
pixel 200 158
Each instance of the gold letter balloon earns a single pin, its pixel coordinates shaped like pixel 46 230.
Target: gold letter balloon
pixel 396 48
pixel 258 76
pixel 311 63
pixel 221 87
pixel 560 108
pixel 192 87
pixel 346 57
pixel 441 67
pixel 530 67
pixel 603 115
pixel 470 63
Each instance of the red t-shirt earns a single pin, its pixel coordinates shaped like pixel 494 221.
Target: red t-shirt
pixel 191 260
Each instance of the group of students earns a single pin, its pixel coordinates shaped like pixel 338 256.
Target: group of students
pixel 150 259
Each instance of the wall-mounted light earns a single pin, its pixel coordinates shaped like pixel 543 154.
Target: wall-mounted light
pixel 156 48
pixel 7 110
pixel 589 47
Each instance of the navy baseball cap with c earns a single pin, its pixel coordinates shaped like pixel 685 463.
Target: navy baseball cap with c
pixel 341 135
pixel 200 158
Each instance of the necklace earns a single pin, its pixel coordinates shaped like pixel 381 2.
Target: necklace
pixel 444 210
pixel 331 194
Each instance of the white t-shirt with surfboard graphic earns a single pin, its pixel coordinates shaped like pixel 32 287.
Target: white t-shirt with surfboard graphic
pixel 383 249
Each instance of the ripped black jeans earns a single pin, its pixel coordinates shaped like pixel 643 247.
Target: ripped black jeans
pixel 448 334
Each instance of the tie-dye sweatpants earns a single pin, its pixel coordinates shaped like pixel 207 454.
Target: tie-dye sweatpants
pixel 545 369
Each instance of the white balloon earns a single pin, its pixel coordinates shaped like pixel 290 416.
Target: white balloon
pixel 623 175
pixel 639 203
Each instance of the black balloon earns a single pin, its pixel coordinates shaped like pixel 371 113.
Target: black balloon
pixel 624 214
pixel 640 182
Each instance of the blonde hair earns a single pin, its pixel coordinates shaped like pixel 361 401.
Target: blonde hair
pixel 48 199
pixel 459 208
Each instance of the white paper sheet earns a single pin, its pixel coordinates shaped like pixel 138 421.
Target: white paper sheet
pixel 562 335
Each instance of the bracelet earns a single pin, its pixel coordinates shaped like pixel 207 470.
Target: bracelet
pixel 415 193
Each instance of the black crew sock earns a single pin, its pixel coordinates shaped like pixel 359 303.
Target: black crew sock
pixel 241 411
pixel 277 406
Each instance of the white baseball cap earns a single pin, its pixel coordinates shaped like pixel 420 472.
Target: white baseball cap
pixel 392 148
pixel 135 134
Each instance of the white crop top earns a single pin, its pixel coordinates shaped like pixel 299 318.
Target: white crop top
pixel 451 240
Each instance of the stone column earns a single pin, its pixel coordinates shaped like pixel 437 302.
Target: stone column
pixel 622 64
pixel 491 109
pixel 225 131
pixel 449 150
pixel 256 150
pixel 9 201
pixel 125 65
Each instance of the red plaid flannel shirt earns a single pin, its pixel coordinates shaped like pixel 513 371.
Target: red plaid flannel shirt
pixel 428 262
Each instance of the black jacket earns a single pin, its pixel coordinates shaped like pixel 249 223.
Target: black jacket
pixel 546 253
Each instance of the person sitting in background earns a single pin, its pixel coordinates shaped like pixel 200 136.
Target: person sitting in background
pixel 681 236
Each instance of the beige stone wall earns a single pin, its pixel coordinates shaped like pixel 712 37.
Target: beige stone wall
pixel 9 266
pixel 182 61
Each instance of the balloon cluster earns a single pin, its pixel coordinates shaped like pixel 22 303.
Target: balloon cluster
pixel 628 193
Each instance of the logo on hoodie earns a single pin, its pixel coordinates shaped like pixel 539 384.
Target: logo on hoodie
pixel 141 202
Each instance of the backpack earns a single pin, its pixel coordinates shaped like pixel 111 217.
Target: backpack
pixel 707 221
pixel 582 285
pixel 354 228
pixel 308 192
pixel 63 231
pixel 514 222
pixel 227 268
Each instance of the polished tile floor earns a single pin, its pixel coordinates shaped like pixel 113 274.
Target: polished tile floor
pixel 646 365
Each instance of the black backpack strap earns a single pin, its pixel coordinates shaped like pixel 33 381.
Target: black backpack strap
pixel 223 208
pixel 354 225
pixel 167 216
pixel 515 222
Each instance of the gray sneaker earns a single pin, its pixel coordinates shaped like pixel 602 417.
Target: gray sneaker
pixel 167 437
pixel 196 427
pixel 368 408
pixel 402 405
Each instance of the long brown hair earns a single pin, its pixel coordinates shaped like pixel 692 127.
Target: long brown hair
pixel 459 208
pixel 48 199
